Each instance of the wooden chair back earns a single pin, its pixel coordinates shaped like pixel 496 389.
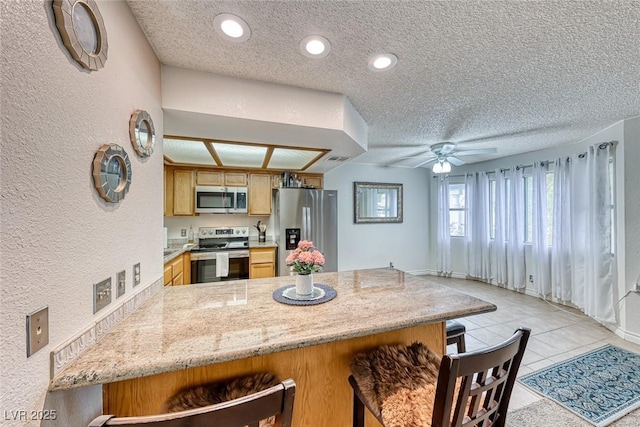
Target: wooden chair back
pixel 474 388
pixel 244 411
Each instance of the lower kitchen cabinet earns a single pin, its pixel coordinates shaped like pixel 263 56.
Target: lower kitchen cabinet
pixel 262 263
pixel 178 270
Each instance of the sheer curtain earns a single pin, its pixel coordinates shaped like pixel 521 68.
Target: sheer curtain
pixel 444 235
pixel 516 273
pixel 561 244
pixel 539 241
pixel 499 249
pixel 594 246
pixel 477 238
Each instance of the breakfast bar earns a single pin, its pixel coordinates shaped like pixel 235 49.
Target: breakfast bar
pixel 187 335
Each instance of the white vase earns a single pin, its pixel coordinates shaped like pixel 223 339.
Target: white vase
pixel 304 284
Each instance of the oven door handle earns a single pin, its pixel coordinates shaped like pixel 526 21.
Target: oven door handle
pixel 212 255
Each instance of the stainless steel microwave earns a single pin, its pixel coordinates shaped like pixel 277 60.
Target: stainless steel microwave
pixel 211 199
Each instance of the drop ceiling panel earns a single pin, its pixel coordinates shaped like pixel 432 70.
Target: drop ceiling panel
pixel 185 151
pixel 237 155
pixel 283 158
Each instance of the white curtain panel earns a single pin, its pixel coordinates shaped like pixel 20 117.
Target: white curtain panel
pixel 599 294
pixel 444 235
pixel 516 267
pixel 561 245
pixel 499 247
pixel 539 242
pixel 477 238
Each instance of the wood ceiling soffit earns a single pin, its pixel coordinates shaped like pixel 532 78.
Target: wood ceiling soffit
pixel 267 158
pixel 213 153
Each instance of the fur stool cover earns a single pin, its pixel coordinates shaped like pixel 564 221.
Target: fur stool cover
pixel 399 382
pixel 218 392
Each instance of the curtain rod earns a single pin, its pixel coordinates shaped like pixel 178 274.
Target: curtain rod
pixel 602 146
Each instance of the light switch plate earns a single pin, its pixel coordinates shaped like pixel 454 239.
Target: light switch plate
pixel 101 295
pixel 136 274
pixel 37 330
pixel 121 283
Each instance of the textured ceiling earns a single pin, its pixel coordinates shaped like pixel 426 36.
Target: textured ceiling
pixel 516 75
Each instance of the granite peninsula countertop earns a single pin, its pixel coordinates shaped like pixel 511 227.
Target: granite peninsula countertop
pixel 187 326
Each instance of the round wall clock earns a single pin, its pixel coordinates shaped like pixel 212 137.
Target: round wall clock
pixel 82 30
pixel 142 133
pixel 112 172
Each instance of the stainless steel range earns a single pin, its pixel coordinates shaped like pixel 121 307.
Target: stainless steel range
pixel 222 254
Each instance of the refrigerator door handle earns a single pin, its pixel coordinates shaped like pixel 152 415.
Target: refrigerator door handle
pixel 305 223
pixel 308 223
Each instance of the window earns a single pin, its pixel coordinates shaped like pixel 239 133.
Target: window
pixel 528 208
pixel 457 210
pixel 550 187
pixel 492 208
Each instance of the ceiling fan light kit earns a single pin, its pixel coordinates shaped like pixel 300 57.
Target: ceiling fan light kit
pixel 441 166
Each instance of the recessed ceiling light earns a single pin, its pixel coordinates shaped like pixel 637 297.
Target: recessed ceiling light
pixel 315 47
pixel 383 61
pixel 231 27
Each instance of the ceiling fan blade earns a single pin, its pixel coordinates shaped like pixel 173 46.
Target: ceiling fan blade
pixel 427 154
pixel 426 162
pixel 447 148
pixel 455 161
pixel 476 151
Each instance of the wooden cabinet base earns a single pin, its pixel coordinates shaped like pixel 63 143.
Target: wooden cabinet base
pixel 323 395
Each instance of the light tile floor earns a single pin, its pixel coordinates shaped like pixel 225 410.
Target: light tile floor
pixel 557 332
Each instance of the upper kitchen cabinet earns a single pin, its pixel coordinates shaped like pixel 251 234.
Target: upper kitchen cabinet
pixel 179 190
pixel 259 194
pixel 221 178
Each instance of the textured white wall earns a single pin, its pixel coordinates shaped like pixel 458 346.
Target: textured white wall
pixel 631 234
pixel 375 245
pixel 58 237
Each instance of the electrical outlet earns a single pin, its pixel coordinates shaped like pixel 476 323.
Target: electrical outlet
pixel 37 330
pixel 101 295
pixel 121 281
pixel 531 278
pixel 136 274
pixel 183 232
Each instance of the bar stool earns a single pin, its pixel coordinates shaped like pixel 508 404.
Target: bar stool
pixel 255 400
pixel 455 335
pixel 412 386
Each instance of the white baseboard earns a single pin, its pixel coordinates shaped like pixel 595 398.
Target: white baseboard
pixel 624 334
pixel 436 273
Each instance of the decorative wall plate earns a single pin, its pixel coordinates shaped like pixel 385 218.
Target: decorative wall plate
pixel 142 133
pixel 112 172
pixel 82 30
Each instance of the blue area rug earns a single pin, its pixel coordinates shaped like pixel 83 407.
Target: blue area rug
pixel 599 386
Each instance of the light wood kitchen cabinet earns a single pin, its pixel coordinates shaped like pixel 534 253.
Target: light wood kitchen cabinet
pixel 178 270
pixel 259 194
pixel 312 181
pixel 168 192
pixel 262 263
pixel 210 178
pixel 183 192
pixel 235 179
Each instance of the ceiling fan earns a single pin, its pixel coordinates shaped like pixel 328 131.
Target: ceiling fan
pixel 444 155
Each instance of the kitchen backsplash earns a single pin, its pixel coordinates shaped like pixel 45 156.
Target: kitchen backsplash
pixel 175 224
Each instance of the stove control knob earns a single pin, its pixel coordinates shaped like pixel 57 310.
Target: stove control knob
pixel 237 231
pixel 210 231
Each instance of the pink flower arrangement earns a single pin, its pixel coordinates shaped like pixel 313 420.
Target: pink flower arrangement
pixel 305 259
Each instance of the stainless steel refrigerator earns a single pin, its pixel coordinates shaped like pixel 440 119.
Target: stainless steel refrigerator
pixel 306 214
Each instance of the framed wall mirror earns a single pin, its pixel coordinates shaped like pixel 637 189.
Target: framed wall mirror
pixel 376 202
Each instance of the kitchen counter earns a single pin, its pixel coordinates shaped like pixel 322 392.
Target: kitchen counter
pixel 196 325
pixel 187 328
pixel 172 253
pixel 267 244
